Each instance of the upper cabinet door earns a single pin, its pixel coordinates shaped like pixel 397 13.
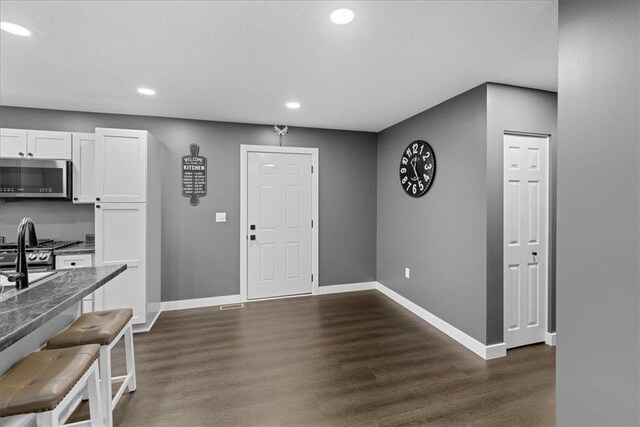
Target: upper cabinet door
pixel 13 143
pixel 48 145
pixel 121 165
pixel 84 162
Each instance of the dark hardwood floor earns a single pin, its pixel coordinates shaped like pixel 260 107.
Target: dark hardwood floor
pixel 334 360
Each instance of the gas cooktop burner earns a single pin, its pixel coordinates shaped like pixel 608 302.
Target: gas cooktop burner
pixel 43 245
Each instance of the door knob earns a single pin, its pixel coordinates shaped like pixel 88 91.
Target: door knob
pixel 252 226
pixel 534 253
pixel 252 237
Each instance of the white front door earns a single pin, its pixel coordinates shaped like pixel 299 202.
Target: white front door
pixel 525 239
pixel 279 206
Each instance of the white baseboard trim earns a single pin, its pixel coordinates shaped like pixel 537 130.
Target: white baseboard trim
pixel 550 338
pixel 485 351
pixel 200 302
pixel 235 299
pixel 146 327
pixel 348 287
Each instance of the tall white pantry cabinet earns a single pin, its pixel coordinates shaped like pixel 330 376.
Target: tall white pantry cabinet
pixel 127 220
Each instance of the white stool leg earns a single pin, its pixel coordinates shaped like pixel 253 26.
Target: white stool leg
pixel 95 401
pixel 46 419
pixel 105 384
pixel 130 357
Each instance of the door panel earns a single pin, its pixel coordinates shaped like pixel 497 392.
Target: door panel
pixel 279 206
pixel 120 236
pixel 84 162
pixel 525 239
pixel 121 165
pixel 13 143
pixel 49 145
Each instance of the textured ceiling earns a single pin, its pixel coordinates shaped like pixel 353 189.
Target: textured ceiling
pixel 241 61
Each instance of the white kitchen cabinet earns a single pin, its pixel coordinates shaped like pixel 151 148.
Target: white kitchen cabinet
pixel 84 161
pixel 121 239
pixel 128 221
pixel 37 144
pixel 43 144
pixel 13 142
pixel 64 262
pixel 121 165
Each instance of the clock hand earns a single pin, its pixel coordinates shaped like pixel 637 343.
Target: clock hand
pixel 413 165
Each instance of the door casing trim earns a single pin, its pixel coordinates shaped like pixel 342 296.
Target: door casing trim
pixel 244 155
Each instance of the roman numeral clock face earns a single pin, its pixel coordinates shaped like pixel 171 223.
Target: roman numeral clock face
pixel 417 168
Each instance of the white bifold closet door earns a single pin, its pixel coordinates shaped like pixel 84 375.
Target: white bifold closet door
pixel 526 204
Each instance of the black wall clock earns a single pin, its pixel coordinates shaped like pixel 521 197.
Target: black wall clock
pixel 417 168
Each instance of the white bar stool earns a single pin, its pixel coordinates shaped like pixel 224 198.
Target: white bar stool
pixel 105 328
pixel 47 382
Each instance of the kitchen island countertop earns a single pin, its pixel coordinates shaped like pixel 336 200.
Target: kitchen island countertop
pixel 33 307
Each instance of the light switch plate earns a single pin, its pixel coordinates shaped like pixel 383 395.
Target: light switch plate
pixel 221 217
pixel 407 272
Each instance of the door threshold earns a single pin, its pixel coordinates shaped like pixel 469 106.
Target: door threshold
pixel 308 294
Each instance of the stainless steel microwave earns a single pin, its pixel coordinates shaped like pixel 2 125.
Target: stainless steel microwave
pixel 35 178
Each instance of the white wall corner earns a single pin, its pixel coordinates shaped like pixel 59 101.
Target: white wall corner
pixel 348 287
pixel 485 351
pixel 550 338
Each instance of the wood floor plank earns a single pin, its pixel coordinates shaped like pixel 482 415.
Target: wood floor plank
pixel 353 359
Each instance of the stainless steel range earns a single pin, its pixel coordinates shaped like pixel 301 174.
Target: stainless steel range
pixel 39 258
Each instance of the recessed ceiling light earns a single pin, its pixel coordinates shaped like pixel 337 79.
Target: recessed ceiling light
pixel 293 105
pixel 15 29
pixel 146 91
pixel 342 16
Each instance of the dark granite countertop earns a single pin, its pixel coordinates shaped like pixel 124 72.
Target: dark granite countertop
pixel 77 249
pixel 25 312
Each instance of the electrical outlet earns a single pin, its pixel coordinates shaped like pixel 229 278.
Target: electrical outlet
pixel 221 217
pixel 407 272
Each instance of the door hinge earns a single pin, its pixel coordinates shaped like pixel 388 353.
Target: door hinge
pixel 311 168
pixel 311 223
pixel 312 277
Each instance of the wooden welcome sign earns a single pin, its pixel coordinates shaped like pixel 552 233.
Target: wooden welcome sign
pixel 194 175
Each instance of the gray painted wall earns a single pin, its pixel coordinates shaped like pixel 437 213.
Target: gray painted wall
pixel 511 108
pixel 598 247
pixel 451 238
pixel 201 257
pixel 441 236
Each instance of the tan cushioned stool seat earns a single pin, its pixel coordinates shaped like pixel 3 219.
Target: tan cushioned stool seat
pixel 99 327
pixel 42 379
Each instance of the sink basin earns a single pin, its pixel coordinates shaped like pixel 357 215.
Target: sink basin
pixel 8 289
